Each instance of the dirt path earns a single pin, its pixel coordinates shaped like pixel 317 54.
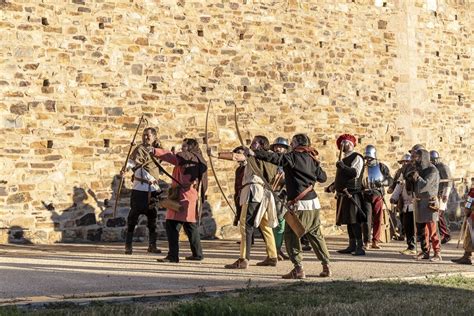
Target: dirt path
pixel 62 271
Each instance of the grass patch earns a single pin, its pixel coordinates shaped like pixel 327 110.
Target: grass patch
pixel 431 296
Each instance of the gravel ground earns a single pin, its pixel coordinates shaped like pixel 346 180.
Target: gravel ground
pixel 73 270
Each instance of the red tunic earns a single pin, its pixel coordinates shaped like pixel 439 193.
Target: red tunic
pixel 188 196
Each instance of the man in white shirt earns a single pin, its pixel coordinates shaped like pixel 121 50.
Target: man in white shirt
pixel 145 190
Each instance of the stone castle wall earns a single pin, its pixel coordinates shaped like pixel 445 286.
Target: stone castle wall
pixel 76 75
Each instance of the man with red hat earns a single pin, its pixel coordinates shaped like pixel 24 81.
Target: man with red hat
pixel 348 188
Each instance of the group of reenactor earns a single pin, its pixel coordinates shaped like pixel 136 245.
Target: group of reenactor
pixel 274 193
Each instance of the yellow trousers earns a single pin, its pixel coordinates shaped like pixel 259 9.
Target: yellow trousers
pixel 247 218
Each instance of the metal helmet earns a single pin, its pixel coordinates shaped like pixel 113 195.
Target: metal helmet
pixel 434 155
pixel 416 148
pixel 281 141
pixel 405 157
pixel 370 152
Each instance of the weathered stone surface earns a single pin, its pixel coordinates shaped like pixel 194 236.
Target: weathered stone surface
pixel 21 197
pixel 229 232
pixel 94 234
pixel 114 234
pixel 137 69
pixel 19 109
pixel 39 237
pixel 3 236
pixel 86 220
pixel 85 73
pixel 116 222
pixel 22 221
pixel 50 106
pixel 114 111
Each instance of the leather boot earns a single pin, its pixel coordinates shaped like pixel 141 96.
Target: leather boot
pixel 241 263
pixel 268 262
pixel 465 259
pixel 350 248
pixel 326 272
pixel 128 243
pixel 422 256
pixel 282 256
pixel 152 248
pixel 359 250
pixel 445 239
pixel 296 273
pixel 152 241
pixel 167 260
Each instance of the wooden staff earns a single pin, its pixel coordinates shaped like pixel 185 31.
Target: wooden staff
pixel 276 181
pixel 340 150
pixel 462 232
pixel 339 205
pixel 117 196
pixel 415 210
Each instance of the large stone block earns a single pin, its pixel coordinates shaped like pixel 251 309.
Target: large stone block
pixel 229 232
pixel 94 235
pixel 116 222
pixel 19 108
pixel 112 234
pixel 20 197
pixel 3 236
pixel 22 221
pixel 37 237
pixel 86 220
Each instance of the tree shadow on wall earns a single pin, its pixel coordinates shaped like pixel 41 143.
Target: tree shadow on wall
pixel 77 222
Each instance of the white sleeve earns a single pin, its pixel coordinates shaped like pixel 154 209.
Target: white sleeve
pixel 396 192
pixel 130 164
pixel 358 165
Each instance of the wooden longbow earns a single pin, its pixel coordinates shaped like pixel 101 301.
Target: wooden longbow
pixel 206 140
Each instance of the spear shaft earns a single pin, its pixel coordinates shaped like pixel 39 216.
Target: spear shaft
pixel 117 196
